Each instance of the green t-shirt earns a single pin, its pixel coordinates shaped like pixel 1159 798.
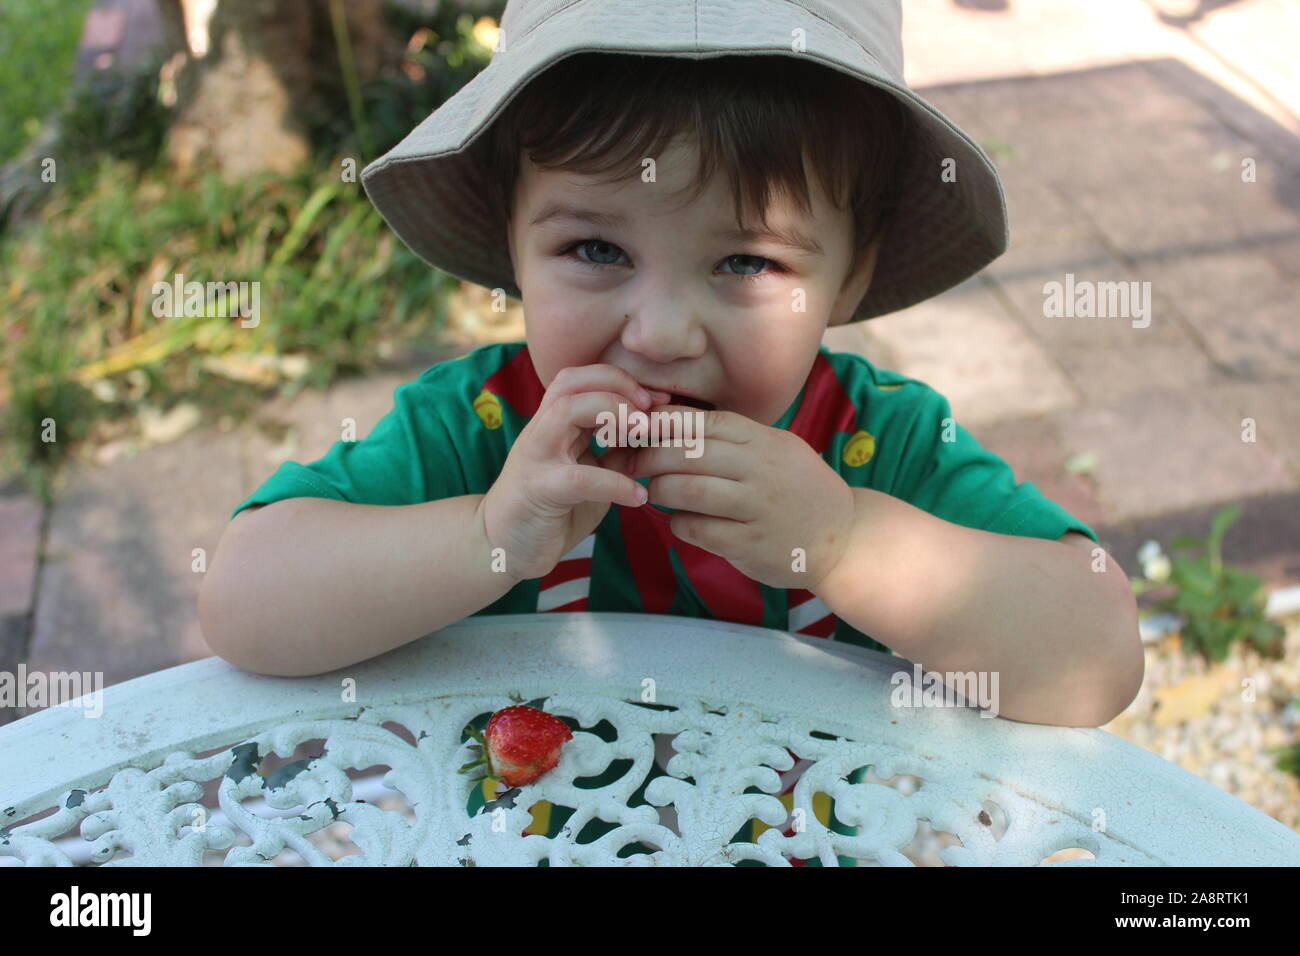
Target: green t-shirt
pixel 450 430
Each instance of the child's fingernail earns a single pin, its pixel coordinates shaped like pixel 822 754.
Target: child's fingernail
pixel 660 397
pixel 642 397
pixel 641 495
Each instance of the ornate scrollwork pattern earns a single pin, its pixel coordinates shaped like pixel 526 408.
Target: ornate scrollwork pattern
pixel 725 770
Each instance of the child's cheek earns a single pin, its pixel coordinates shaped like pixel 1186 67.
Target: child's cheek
pixel 560 337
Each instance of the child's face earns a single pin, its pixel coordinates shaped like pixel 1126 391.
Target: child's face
pixel 673 302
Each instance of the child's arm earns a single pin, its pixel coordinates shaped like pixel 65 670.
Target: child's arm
pixel 1062 637
pixel 308 585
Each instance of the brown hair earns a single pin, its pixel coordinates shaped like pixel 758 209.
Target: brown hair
pixel 754 116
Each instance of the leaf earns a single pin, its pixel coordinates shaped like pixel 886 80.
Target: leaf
pixel 1184 542
pixel 1194 575
pixel 336 239
pixel 302 223
pixel 1221 522
pixel 1242 588
pixel 1190 698
pixel 1193 605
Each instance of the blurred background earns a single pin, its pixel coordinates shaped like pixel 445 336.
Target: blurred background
pixel 1144 141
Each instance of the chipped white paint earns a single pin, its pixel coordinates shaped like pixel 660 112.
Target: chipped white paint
pixel 128 781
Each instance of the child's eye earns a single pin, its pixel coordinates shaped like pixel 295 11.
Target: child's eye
pixel 594 244
pixel 599 247
pixel 759 260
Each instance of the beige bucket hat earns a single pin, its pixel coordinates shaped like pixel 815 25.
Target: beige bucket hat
pixel 435 198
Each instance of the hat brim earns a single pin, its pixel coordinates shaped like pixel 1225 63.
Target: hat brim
pixel 434 196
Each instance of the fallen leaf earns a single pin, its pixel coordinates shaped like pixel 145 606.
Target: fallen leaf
pixel 1193 697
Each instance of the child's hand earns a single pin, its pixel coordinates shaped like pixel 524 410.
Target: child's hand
pixel 552 491
pixel 754 495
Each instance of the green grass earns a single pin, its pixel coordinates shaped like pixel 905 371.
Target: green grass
pixel 38 44
pixel 77 299
pixel 80 348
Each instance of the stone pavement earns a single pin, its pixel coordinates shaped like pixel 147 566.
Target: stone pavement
pixel 1120 140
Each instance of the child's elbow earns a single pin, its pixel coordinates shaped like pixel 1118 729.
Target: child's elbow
pixel 222 612
pixel 214 627
pixel 1126 661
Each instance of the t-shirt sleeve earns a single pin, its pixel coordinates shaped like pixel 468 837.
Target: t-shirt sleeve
pixel 408 458
pixel 943 470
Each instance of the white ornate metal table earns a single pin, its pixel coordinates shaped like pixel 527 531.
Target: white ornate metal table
pixel 723 706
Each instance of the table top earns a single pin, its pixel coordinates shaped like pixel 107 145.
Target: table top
pixel 736 702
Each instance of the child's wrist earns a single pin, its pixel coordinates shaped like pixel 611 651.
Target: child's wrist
pixel 845 576
pixel 498 561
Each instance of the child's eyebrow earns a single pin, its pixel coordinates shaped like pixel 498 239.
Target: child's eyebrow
pixel 791 238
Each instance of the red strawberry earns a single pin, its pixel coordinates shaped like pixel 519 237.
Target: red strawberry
pixel 522 743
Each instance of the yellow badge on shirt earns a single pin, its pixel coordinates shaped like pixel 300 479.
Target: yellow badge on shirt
pixel 488 408
pixel 859 449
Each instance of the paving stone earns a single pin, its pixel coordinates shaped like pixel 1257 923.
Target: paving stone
pixel 1031 446
pixel 1284 253
pixel 1036 211
pixel 1228 108
pixel 20 529
pixel 1148 302
pixel 13 650
pixel 1242 307
pixel 964 345
pixel 1162 220
pixel 118 593
pixel 1145 92
pixel 1094 96
pixel 1162 451
pixel 1048 258
pixel 1275 408
pixel 960 104
pixel 1105 373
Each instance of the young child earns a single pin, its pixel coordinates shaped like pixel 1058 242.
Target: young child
pixel 683 214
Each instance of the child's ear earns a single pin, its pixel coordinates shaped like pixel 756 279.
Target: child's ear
pixel 855 284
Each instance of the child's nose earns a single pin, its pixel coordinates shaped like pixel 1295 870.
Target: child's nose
pixel 662 335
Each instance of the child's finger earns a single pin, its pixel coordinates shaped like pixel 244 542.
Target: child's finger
pixel 722 459
pixel 588 378
pixel 722 425
pixel 584 410
pixel 569 485
pixel 620 460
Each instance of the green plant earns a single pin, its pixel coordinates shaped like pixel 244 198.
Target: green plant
pixel 38 44
pixel 1218 604
pixel 442 55
pixel 117 113
pixel 80 343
